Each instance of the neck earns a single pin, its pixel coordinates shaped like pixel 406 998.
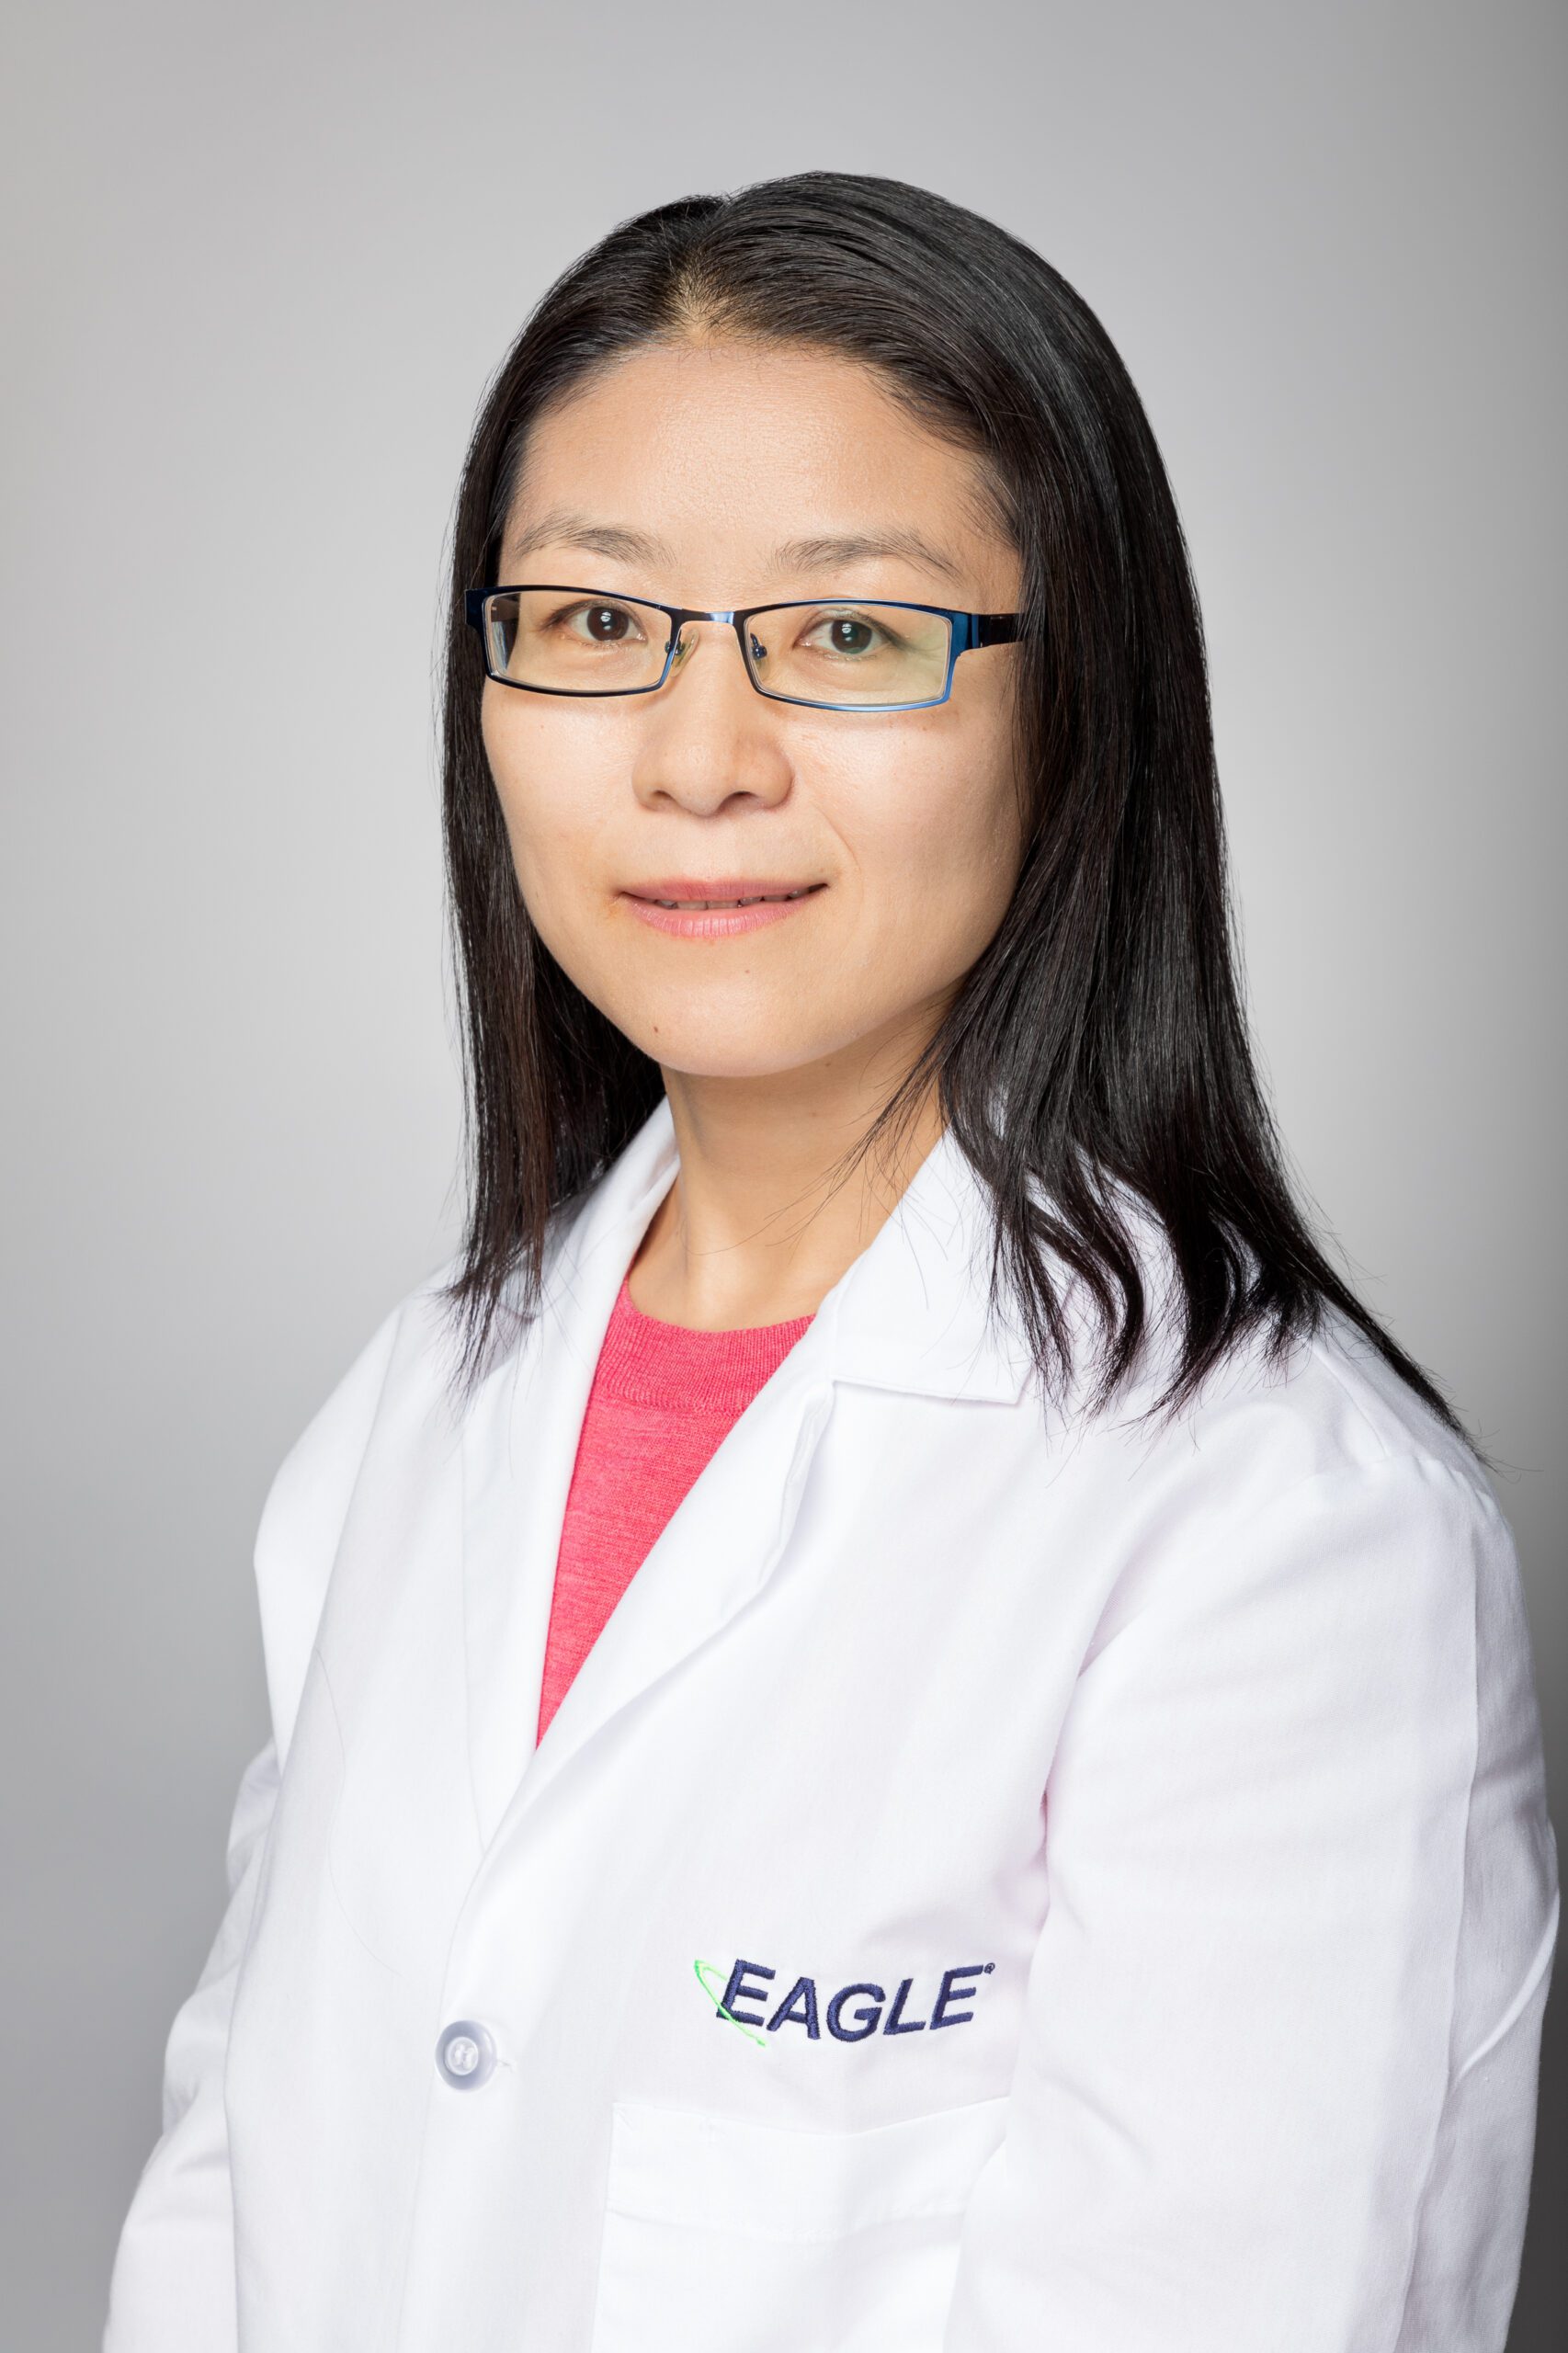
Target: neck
pixel 760 1223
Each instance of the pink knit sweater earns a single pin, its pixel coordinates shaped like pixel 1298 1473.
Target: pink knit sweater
pixel 663 1397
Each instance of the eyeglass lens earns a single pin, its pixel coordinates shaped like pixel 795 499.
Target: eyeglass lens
pixel 832 650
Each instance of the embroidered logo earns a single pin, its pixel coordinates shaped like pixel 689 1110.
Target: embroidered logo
pixel 871 2013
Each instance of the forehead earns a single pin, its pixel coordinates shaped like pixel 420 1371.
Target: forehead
pixel 721 454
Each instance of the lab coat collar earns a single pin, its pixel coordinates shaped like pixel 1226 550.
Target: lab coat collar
pixel 909 1314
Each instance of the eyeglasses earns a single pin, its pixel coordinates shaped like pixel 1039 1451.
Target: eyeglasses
pixel 836 652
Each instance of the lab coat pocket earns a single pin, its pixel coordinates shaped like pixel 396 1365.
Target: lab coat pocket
pixel 725 2235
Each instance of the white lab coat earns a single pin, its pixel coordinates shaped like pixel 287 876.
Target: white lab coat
pixel 999 1882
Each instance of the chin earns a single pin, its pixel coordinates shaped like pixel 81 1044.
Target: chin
pixel 726 1066
pixel 703 1056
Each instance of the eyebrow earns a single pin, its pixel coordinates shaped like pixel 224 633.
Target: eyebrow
pixel 820 553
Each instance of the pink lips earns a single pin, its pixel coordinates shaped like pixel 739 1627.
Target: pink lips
pixel 711 921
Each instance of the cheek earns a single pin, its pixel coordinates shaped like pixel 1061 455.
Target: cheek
pixel 940 849
pixel 544 781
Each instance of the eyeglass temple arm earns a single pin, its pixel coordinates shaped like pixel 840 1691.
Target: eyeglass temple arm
pixel 987 629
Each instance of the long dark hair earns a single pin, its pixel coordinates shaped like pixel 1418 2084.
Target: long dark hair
pixel 1099 1042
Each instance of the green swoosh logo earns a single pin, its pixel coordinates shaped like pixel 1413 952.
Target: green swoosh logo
pixel 705 1968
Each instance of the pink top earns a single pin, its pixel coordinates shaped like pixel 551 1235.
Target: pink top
pixel 663 1397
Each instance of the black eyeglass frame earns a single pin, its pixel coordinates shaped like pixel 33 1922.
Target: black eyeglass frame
pixel 966 631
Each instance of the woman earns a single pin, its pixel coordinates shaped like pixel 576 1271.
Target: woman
pixel 889 1523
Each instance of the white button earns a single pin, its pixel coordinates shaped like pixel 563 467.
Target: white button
pixel 465 2053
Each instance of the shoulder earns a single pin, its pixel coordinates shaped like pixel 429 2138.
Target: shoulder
pixel 403 1373
pixel 1325 1403
pixel 401 1352
pixel 1328 1405
pixel 390 1406
pixel 1308 1531
pixel 390 1422
pixel 1303 1487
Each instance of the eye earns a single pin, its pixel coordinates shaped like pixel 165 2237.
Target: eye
pixel 849 634
pixel 603 624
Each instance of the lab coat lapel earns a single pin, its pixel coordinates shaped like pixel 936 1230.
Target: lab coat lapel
pixel 714 1555
pixel 518 1450
pixel 909 1314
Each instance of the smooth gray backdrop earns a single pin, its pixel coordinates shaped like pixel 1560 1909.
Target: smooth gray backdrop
pixel 260 264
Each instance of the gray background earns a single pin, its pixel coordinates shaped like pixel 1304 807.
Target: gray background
pixel 261 263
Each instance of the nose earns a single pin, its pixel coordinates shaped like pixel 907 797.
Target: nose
pixel 708 737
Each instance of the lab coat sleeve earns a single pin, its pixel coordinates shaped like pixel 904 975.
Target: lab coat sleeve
pixel 173 2287
pixel 1276 2083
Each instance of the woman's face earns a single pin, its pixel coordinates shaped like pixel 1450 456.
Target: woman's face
pixel 681 475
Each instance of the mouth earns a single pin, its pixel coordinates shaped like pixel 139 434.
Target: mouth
pixel 719 907
pixel 689 897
